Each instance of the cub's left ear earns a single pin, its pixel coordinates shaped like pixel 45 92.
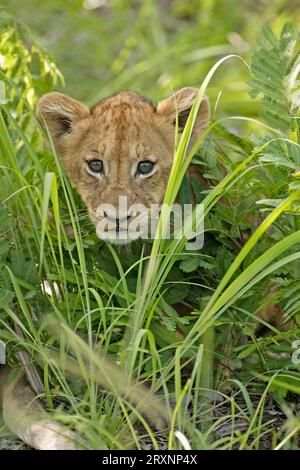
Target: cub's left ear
pixel 181 102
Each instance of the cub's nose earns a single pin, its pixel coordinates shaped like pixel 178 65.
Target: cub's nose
pixel 111 217
pixel 118 220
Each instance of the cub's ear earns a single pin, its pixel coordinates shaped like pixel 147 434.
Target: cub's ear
pixel 60 113
pixel 181 102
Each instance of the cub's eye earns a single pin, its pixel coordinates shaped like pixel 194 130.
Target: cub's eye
pixel 145 167
pixel 96 166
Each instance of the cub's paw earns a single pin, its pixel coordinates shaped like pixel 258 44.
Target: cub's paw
pixel 49 435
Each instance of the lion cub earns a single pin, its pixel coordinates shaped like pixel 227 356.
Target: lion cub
pixel 120 150
pixel 123 147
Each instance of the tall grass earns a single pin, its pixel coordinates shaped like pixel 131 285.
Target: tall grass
pixel 121 379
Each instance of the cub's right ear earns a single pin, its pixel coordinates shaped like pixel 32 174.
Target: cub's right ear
pixel 60 113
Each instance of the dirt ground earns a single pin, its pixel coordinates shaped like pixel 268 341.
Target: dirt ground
pixel 273 416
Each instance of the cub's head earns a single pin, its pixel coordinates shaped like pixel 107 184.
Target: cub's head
pixel 119 153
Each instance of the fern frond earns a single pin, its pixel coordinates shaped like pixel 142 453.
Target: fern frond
pixel 275 68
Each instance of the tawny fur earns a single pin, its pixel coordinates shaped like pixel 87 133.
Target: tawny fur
pixel 25 416
pixel 121 131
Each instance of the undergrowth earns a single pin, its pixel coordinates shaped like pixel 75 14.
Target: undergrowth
pixel 136 344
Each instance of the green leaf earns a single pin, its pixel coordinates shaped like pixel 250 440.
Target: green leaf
pixel 4 247
pixel 6 297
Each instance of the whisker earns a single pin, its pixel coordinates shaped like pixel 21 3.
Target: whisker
pixel 76 218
